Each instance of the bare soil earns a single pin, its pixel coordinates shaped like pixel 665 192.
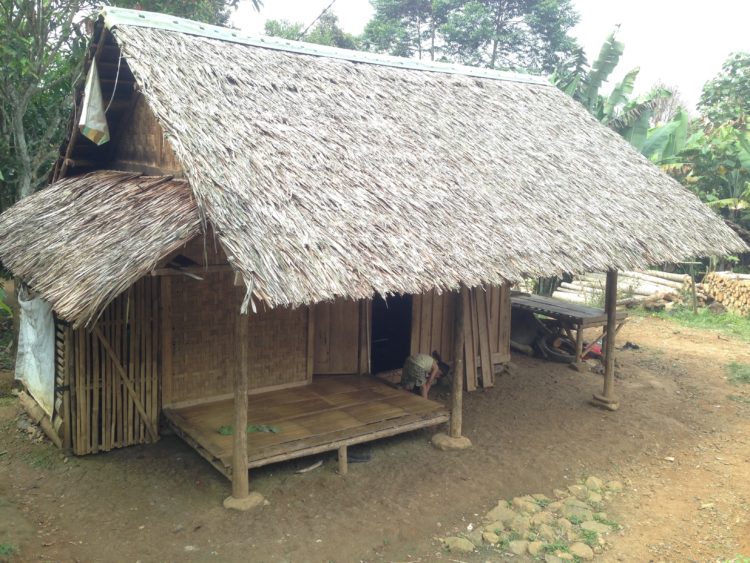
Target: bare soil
pixel 679 443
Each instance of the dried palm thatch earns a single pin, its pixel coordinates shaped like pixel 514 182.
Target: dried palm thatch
pixel 327 177
pixel 84 240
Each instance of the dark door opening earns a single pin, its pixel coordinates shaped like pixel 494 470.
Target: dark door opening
pixel 391 332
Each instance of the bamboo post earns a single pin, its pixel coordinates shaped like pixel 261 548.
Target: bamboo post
pixel 242 498
pixel 458 371
pixel 607 398
pixel 240 479
pixel 454 440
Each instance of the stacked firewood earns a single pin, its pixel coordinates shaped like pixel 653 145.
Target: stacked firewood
pixel 730 289
pixel 651 288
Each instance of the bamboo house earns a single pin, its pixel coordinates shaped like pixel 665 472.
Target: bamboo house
pixel 269 221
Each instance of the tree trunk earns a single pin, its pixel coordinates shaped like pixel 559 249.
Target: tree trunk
pixel 25 173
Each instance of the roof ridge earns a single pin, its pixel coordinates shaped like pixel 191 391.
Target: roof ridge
pixel 114 17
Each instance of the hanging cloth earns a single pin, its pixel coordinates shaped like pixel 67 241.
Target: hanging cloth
pixel 93 122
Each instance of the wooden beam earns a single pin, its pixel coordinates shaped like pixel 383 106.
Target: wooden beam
pixel 343 462
pixel 128 383
pixel 240 478
pixel 607 398
pixel 458 370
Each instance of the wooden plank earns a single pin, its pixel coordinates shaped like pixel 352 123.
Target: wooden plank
pixel 155 338
pixel 457 389
pixel 504 325
pixel 436 330
pixel 147 374
pixel 485 351
pixel 322 355
pixel 425 323
pixel 167 347
pixel 446 346
pixel 310 342
pixel 470 368
pixel 124 377
pixel 364 336
pixel 344 336
pixel 416 323
pixel 67 382
pixel 493 308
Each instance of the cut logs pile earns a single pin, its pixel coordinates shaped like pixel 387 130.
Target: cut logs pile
pixel 651 289
pixel 730 289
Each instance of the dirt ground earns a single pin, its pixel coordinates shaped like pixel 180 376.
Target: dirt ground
pixel 679 443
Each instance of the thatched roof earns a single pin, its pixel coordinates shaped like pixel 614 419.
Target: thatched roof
pixel 84 240
pixel 326 177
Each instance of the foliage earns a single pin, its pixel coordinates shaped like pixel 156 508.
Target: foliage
pixel 7 549
pixel 215 12
pixel 5 310
pixel 727 96
pixel 326 31
pixel 630 117
pixel 530 35
pixel 738 373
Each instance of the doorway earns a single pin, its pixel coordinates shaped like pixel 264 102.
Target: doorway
pixel 391 332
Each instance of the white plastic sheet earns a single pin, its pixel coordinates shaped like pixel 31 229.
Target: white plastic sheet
pixel 93 122
pixel 35 362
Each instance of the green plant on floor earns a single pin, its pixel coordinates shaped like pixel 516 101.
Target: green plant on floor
pixel 575 520
pixel 738 373
pixel 590 537
pixel 606 522
pixel 725 323
pixel 557 545
pixel 7 549
pixel 739 399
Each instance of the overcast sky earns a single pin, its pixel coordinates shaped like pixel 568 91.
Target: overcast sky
pixel 681 43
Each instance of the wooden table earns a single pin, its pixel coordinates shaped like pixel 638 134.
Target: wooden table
pixel 572 316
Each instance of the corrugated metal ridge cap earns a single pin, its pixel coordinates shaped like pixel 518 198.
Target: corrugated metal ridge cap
pixel 122 16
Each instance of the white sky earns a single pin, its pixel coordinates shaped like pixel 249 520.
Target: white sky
pixel 681 43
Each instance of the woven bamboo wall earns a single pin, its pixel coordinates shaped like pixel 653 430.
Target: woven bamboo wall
pixel 337 337
pixel 204 349
pixel 113 398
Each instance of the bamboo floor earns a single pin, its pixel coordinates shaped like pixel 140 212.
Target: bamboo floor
pixel 331 412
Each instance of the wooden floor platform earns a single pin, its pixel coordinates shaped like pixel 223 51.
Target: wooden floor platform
pixel 331 412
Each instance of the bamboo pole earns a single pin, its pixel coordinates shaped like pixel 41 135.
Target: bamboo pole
pixel 607 398
pixel 458 371
pixel 240 478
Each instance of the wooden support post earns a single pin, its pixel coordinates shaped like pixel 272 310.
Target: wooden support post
pixel 240 479
pixel 607 398
pixel 458 370
pixel 343 461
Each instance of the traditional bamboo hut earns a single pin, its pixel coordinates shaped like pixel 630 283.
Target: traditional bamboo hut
pixel 338 200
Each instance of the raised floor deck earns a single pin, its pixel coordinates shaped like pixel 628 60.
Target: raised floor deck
pixel 331 412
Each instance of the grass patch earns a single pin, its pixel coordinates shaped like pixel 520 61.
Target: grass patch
pixel 7 549
pixel 606 522
pixel 725 323
pixel 42 458
pixel 575 520
pixel 589 537
pixel 557 545
pixel 543 503
pixel 738 373
pixel 739 399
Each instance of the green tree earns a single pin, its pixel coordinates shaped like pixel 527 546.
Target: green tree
pixel 216 12
pixel 326 31
pixel 727 96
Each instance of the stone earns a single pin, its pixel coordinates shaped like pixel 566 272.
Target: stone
pixel 518 547
pixel 614 486
pixel 565 556
pixel 564 524
pixel 491 538
pixel 597 527
pixel 559 493
pixel 460 545
pixel 501 513
pixel 594 484
pixel 494 527
pixel 571 535
pixel 539 497
pixel 445 443
pixel 547 533
pixel 554 506
pixel 549 558
pixel 578 510
pixel 600 516
pixel 581 492
pixel 535 548
pixel 520 525
pixel 249 502
pixel 475 537
pixel 525 504
pixel 595 498
pixel 582 551
pixel 542 518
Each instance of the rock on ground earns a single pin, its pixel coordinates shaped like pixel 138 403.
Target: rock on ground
pixel 518 547
pixel 582 551
pixel 460 545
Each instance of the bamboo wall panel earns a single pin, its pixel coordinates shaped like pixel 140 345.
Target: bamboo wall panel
pixel 204 349
pixel 113 399
pixel 141 146
pixel 486 330
pixel 337 337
